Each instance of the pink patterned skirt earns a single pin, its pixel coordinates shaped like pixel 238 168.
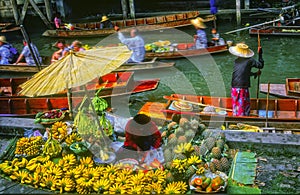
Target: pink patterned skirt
pixel 240 101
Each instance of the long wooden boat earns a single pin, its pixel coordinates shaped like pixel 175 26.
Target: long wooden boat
pixel 276 31
pixel 10 70
pixel 185 50
pixel 276 90
pixel 270 111
pixel 92 29
pixel 112 84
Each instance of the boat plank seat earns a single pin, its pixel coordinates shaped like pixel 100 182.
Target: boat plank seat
pixel 151 20
pixel 171 18
pixel 161 19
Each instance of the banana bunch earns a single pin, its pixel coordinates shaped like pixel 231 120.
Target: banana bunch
pixel 85 125
pixel 52 147
pixel 72 138
pixel 106 125
pixel 103 155
pixel 184 148
pixel 245 127
pixel 29 146
pixel 200 170
pixel 99 104
pixel 59 130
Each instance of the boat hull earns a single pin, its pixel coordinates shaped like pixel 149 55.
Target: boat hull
pixel 187 52
pixel 92 29
pixel 276 31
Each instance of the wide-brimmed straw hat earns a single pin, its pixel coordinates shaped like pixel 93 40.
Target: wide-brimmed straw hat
pixel 241 50
pixel 3 39
pixel 104 18
pixel 198 22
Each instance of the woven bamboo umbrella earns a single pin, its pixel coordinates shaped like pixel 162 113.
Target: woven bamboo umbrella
pixel 75 69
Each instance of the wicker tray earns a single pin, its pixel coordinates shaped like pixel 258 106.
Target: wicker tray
pixel 45 121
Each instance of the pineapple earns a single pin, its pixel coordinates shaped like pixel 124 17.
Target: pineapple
pixel 172 142
pixel 217 164
pixel 189 134
pixel 203 150
pixel 216 152
pixel 181 139
pixel 172 135
pixel 184 122
pixel 179 131
pixel 210 142
pixel 169 177
pixel 225 164
pixel 220 143
pixel 168 155
pixel 190 171
pixel 212 167
pixel 180 156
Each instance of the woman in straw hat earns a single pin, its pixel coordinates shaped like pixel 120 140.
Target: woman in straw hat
pixel 106 23
pixel 240 82
pixel 200 38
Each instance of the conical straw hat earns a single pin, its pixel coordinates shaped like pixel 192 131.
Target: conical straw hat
pixel 241 50
pixel 198 23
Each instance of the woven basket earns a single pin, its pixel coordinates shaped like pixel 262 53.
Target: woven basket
pixel 51 121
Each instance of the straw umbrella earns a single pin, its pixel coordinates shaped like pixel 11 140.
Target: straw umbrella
pixel 75 69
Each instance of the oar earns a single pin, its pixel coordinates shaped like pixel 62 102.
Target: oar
pixel 258 78
pixel 195 103
pixel 267 106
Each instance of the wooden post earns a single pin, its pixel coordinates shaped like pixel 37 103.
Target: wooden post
pixel 124 9
pixel 15 10
pixel 35 7
pixel 238 12
pixel 247 4
pixel 60 8
pixel 24 10
pixel 132 10
pixel 48 10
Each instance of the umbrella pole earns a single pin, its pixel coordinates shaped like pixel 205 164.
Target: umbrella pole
pixel 69 93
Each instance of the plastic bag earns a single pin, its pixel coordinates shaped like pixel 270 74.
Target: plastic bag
pixel 154 154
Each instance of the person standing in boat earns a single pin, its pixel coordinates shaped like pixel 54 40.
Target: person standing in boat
pixel 200 38
pixel 241 74
pixel 135 43
pixel 29 59
pixel 57 21
pixel 106 23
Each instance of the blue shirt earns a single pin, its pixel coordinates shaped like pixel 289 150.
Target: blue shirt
pixel 4 54
pixel 201 41
pixel 135 44
pixel 28 57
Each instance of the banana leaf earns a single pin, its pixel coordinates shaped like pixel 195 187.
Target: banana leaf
pixel 242 174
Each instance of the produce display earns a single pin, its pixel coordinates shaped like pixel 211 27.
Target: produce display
pixel 195 159
pixel 158 46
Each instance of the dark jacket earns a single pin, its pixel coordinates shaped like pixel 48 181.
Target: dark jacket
pixel 242 71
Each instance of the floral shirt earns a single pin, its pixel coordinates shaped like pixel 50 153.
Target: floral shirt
pixel 28 57
pixel 4 54
pixel 201 40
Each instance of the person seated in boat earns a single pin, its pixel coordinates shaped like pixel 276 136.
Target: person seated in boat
pixel 241 74
pixel 8 54
pixel 106 23
pixel 76 46
pixel 26 53
pixel 200 38
pixel 57 21
pixel 62 46
pixel 216 39
pixel 135 43
pixel 141 135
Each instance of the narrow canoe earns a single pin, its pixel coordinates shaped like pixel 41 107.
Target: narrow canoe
pixel 276 90
pixel 277 111
pixel 92 29
pixel 10 70
pixel 18 105
pixel 186 52
pixel 276 31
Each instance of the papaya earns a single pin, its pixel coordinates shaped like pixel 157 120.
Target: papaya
pixel 198 181
pixel 208 189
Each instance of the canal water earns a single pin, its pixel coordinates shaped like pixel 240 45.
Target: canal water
pixel 204 75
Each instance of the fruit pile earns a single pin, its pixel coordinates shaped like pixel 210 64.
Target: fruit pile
pixel 29 146
pixel 49 116
pixel 207 184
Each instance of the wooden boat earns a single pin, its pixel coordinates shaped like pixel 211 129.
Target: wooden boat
pixel 276 31
pixel 293 86
pixel 275 111
pixel 114 84
pixel 276 90
pixel 10 70
pixel 92 29
pixel 146 65
pixel 185 50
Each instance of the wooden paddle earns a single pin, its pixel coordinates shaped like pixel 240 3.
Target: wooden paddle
pixel 258 78
pixel 195 103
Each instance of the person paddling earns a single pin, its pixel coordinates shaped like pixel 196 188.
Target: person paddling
pixel 241 77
